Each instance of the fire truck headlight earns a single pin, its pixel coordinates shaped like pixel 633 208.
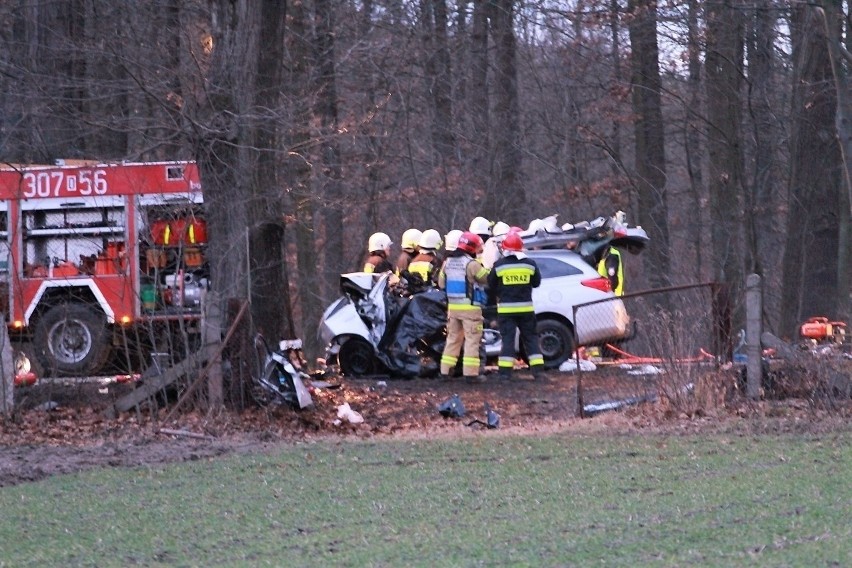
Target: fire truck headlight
pixel 126 320
pixel 18 324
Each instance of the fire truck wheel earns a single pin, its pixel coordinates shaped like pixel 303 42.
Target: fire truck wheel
pixel 72 339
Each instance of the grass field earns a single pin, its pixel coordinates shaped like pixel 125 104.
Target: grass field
pixel 559 500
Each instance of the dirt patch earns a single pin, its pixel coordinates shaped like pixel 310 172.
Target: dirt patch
pixel 61 428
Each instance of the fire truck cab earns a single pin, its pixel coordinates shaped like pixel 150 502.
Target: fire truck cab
pixel 88 250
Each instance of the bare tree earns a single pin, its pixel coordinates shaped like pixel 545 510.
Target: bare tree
pixel 649 138
pixel 810 268
pixel 841 58
pixel 723 64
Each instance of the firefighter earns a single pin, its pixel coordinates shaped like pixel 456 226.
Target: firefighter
pixel 482 227
pixel 512 279
pixel 464 280
pixel 379 248
pixel 427 264
pixel 491 250
pixel 611 267
pixel 409 241
pixel 451 240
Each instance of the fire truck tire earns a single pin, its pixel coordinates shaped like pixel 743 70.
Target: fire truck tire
pixel 72 339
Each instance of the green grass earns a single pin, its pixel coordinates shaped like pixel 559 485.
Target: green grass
pixel 561 500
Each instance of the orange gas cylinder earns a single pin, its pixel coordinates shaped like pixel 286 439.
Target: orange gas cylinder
pixel 820 328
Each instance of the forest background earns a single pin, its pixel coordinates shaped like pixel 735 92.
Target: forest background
pixel 720 127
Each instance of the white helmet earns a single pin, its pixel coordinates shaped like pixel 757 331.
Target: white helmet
pixel 451 240
pixel 378 241
pixel 431 239
pixel 410 239
pixel 500 228
pixel 480 226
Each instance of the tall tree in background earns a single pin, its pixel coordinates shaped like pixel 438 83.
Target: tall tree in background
pixel 724 71
pixel 651 177
pixel 221 144
pixel 331 171
pixel 269 279
pixel 810 267
pixel 836 23
pixel 693 129
pixel 761 203
pixel 438 75
pixel 297 169
pixel 505 191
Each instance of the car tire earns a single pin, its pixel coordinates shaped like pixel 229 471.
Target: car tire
pixel 555 341
pixel 356 357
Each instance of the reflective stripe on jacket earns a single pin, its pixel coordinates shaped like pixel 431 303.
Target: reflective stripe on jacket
pixel 512 279
pixel 425 266
pixel 611 267
pixel 462 278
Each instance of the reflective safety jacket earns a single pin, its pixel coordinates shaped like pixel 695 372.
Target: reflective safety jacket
pixel 403 260
pixel 611 267
pixel 512 280
pixel 426 266
pixel 377 262
pixel 463 278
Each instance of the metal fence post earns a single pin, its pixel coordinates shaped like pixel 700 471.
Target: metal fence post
pixel 754 329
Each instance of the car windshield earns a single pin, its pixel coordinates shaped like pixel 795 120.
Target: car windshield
pixel 552 268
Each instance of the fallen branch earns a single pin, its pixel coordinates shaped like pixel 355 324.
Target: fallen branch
pixel 212 361
pixel 186 433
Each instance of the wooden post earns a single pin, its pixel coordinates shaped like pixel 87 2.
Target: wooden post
pixel 7 372
pixel 754 329
pixel 211 336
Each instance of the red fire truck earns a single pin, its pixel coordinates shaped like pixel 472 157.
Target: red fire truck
pixel 88 250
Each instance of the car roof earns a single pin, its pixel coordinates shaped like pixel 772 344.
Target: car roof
pixel 564 255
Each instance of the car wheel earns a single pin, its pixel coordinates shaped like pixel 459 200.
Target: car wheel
pixel 72 339
pixel 356 357
pixel 556 342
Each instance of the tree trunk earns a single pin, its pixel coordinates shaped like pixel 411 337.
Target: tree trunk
pixel 650 139
pixel 810 275
pixel 331 177
pixel 270 293
pixel 833 19
pixel 764 206
pixel 298 175
pixel 694 127
pixel 478 96
pixel 506 192
pixel 438 75
pixel 723 83
pixel 220 151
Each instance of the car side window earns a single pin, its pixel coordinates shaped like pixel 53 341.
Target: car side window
pixel 552 268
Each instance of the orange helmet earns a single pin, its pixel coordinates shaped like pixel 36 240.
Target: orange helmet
pixel 470 243
pixel 513 242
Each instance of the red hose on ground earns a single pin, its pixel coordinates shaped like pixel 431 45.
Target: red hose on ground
pixel 626 357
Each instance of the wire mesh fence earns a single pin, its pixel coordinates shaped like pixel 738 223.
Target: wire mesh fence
pixel 658 345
